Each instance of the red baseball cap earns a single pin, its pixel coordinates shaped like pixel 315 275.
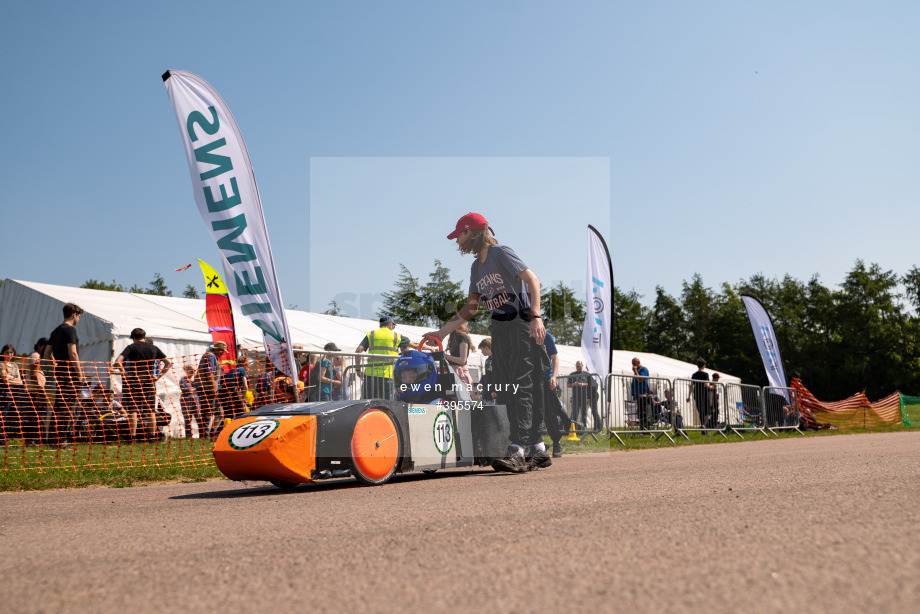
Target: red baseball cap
pixel 470 221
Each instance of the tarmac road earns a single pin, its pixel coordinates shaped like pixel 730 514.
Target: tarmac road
pixel 819 524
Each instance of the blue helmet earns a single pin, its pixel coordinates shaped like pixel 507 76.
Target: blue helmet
pixel 415 377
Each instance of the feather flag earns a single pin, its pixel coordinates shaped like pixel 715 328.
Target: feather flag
pixel 219 313
pixel 595 336
pixel 225 191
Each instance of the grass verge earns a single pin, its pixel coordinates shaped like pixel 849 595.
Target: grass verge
pixel 189 460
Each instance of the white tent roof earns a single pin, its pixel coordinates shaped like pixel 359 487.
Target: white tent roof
pixel 30 310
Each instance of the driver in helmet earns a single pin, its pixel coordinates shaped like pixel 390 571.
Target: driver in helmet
pixel 415 377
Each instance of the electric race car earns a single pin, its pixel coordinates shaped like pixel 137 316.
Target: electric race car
pixel 433 425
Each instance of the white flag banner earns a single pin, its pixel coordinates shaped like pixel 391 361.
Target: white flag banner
pixel 228 200
pixel 595 336
pixel 766 342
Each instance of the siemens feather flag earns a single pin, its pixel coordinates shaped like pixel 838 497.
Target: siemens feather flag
pixel 595 336
pixel 228 200
pixel 766 342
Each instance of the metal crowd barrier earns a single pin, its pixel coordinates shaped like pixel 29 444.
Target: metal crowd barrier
pixel 704 403
pixel 357 380
pixel 781 409
pixel 582 402
pixel 744 409
pixel 635 407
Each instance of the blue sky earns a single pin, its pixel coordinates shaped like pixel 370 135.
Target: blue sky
pixel 734 137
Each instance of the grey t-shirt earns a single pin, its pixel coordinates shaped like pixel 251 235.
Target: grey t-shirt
pixel 496 281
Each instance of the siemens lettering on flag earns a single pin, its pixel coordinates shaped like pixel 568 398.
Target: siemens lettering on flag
pixel 766 342
pixel 228 200
pixel 595 336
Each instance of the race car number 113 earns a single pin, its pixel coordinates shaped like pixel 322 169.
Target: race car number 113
pixel 443 433
pixel 252 433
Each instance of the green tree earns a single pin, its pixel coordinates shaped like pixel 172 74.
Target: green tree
pixel 158 286
pixel 441 297
pixel 564 312
pixel 190 292
pixel 871 332
pixel 697 304
pixel 95 284
pixel 664 332
pixel 334 309
pixel 630 320
pixel 405 301
pixel 734 348
pixel 911 283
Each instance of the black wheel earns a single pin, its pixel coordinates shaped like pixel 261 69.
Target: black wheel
pixel 375 448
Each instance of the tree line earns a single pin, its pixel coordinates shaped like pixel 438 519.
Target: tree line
pixel 863 335
pixel 156 287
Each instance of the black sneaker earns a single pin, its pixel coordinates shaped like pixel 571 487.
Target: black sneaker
pixel 513 462
pixel 538 459
pixel 557 450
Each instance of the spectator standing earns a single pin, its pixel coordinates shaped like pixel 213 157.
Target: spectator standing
pixel 511 293
pixel 141 364
pixel 578 382
pixel 38 404
pixel 233 387
pixel 304 376
pixel 188 401
pixel 206 383
pixel 338 379
pixel 63 350
pixel 554 416
pixel 12 394
pixel 485 380
pixel 265 388
pixel 700 391
pixel 378 377
pixel 326 375
pixel 459 346
pixel 715 403
pixel 641 393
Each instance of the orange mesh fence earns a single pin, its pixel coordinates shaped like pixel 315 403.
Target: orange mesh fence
pixel 55 414
pixel 855 412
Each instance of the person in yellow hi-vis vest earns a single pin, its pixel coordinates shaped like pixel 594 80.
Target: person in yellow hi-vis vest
pixel 378 377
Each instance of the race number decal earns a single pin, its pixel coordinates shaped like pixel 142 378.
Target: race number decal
pixel 252 433
pixel 443 433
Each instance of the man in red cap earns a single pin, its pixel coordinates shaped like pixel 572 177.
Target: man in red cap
pixel 511 292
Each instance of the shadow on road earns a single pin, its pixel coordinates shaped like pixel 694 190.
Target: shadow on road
pixel 264 489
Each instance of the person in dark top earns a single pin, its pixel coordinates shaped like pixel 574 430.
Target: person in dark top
pixel 233 386
pixel 487 395
pixel 138 364
pixel 642 394
pixel 700 392
pixel 265 385
pixel 554 417
pixel 578 382
pixel 206 386
pixel 511 292
pixel 63 351
pixel 715 403
pixel 188 401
